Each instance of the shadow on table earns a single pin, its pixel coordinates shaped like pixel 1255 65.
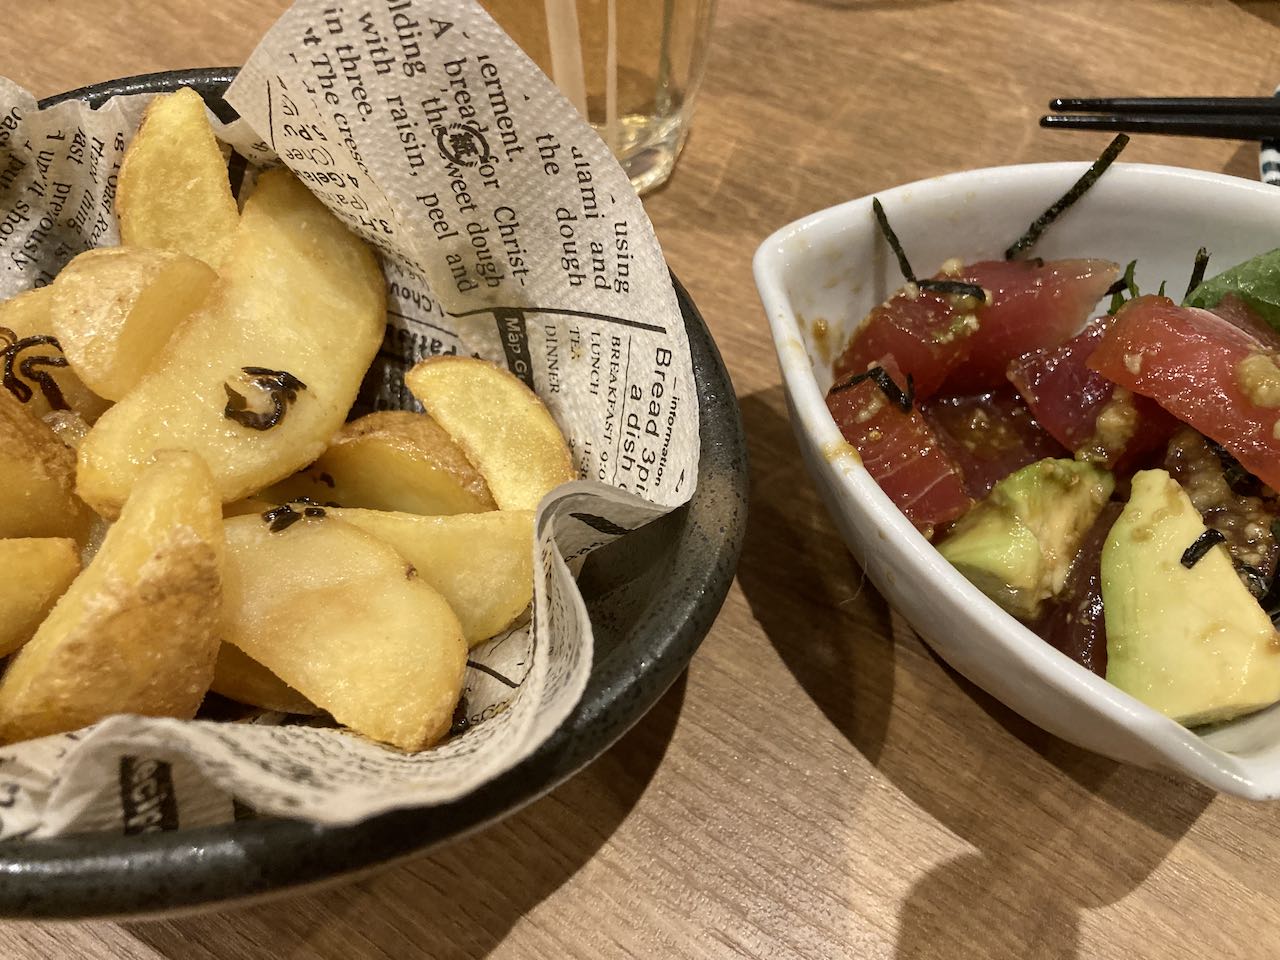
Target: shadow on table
pixel 1266 10
pixel 829 626
pixel 1022 890
pixel 442 906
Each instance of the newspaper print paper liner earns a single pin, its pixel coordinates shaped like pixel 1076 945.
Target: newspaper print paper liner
pixel 546 262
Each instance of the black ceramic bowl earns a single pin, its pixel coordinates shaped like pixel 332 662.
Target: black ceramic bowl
pixel 652 597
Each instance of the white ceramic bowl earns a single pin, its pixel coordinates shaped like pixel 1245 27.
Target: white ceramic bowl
pixel 832 267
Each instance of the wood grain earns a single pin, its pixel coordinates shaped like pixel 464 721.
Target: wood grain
pixel 820 785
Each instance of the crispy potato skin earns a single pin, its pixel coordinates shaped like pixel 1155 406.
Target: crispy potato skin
pixel 137 631
pixel 501 425
pixel 36 573
pixel 392 460
pixel 297 293
pixel 172 192
pixel 37 478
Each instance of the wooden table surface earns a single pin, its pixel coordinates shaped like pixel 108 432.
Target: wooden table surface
pixel 819 785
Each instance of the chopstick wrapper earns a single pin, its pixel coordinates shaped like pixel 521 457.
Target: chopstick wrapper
pixel 506 230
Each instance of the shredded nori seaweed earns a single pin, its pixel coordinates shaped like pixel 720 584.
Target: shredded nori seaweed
pixel 956 287
pixel 880 377
pixel 281 517
pixel 1241 481
pixel 1202 545
pixel 1122 286
pixel 1197 271
pixel 281 386
pixel 1078 190
pixel 27 367
pixel 284 516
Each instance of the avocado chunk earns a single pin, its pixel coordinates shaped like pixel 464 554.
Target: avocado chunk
pixel 1190 642
pixel 1017 545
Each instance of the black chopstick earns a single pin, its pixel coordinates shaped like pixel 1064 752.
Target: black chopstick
pixel 1165 105
pixel 1223 127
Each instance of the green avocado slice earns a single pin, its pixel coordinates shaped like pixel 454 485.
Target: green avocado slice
pixel 1190 642
pixel 1017 545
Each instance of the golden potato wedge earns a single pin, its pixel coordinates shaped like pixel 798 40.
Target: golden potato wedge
pixel 342 618
pixel 36 572
pixel 392 460
pixel 482 563
pixel 115 308
pixel 240 677
pixel 173 192
pixel 299 296
pixel 501 425
pixel 137 631
pixel 37 478
pixel 30 314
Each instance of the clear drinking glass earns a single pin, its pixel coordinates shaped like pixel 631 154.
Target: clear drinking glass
pixel 632 67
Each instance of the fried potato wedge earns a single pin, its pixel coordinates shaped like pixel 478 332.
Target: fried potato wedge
pixel 392 460
pixel 501 425
pixel 342 618
pixel 173 192
pixel 137 631
pixel 114 309
pixel 29 314
pixel 241 678
pixel 482 563
pixel 36 573
pixel 37 478
pixel 299 296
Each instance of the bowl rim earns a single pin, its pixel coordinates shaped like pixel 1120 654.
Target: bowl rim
pixel 99 875
pixel 1178 747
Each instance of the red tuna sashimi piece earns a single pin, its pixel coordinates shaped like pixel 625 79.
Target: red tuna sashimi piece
pixel 989 436
pixel 1240 314
pixel 900 452
pixel 935 337
pixel 1033 307
pixel 1066 397
pixel 1204 370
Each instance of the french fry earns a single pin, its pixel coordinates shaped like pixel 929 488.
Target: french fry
pixel 501 425
pixel 173 192
pixel 37 571
pixel 37 477
pixel 339 616
pixel 115 308
pixel 391 460
pixel 299 297
pixel 482 563
pixel 137 631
